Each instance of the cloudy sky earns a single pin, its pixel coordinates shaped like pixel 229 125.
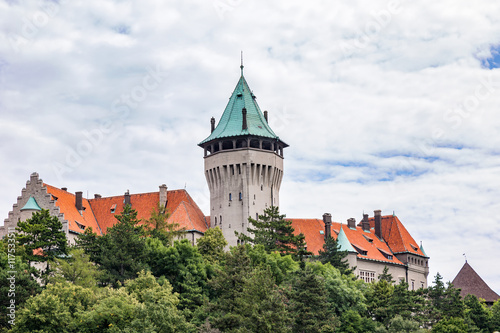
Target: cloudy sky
pixel 386 105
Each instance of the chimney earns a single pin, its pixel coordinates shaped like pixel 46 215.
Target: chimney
pixel 212 124
pixel 244 112
pixel 351 223
pixel 65 189
pixel 79 200
pixel 327 219
pixel 265 116
pixel 163 194
pixel 97 196
pixel 378 223
pixel 365 224
pixel 126 201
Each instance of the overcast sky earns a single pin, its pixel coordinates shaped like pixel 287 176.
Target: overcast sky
pixel 388 105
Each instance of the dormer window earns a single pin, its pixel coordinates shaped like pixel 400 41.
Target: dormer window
pixel 386 254
pixel 368 238
pixel 360 250
pixel 113 209
pixel 81 226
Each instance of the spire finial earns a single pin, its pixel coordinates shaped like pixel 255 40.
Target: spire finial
pixel 241 66
pixel 465 258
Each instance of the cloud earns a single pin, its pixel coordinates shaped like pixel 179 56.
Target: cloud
pixel 385 104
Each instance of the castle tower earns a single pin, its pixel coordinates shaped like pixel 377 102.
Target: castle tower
pixel 243 163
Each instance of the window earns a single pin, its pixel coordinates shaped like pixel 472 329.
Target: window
pixel 257 216
pixel 412 284
pixel 240 196
pixel 386 254
pixel 81 226
pixel 230 197
pixel 360 250
pixel 216 220
pixel 367 276
pixel 113 208
pixel 262 187
pixel 220 220
pixel 230 226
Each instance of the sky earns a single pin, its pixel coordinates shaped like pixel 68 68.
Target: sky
pixel 389 105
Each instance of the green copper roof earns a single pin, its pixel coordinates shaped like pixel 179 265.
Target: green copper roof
pixel 230 124
pixel 343 242
pixel 422 249
pixel 31 204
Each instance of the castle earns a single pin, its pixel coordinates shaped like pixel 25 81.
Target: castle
pixel 243 166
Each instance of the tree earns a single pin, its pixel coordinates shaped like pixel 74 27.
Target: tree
pixel 450 325
pixel 158 225
pixel 77 269
pixel 478 313
pixel 211 244
pixel 331 253
pixel 378 300
pixel 495 316
pixel 386 275
pixel 123 249
pixel 275 233
pixel 444 301
pixel 309 304
pixel 400 325
pixel 16 282
pixel 43 238
pixel 91 244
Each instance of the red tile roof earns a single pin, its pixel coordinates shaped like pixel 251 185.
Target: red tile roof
pixel 313 230
pixel 189 216
pixel 66 203
pixel 396 235
pixel 471 283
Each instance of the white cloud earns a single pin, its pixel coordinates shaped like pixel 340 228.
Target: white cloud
pixel 390 111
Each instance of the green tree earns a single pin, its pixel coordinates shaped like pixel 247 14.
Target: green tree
pixel 159 227
pixel 275 233
pixel 211 244
pixel 91 244
pixel 408 304
pixel 332 254
pixel 280 267
pixel 309 304
pixel 478 313
pixel 400 325
pixel 57 309
pixel 495 316
pixel 386 275
pixel 450 325
pixel 445 301
pixel 43 238
pixel 123 249
pixel 378 298
pixel 77 269
pixel 352 322
pixel 16 281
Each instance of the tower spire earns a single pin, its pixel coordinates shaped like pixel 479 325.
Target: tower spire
pixel 241 66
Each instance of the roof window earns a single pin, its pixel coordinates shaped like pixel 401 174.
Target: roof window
pixel 321 232
pixel 113 208
pixel 81 226
pixel 414 247
pixel 360 250
pixel 386 254
pixel 368 238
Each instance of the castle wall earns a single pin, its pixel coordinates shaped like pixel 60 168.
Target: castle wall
pixel 242 182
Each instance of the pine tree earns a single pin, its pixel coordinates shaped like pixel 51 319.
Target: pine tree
pixel 43 238
pixel 331 253
pixel 275 233
pixel 158 226
pixel 309 304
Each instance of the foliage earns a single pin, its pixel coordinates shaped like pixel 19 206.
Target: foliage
pixel 211 244
pixel 159 227
pixel 352 322
pixel 43 238
pixel 16 281
pixel 400 325
pixel 450 325
pixel 280 267
pixel 309 306
pixel 445 301
pixel 275 233
pixel 495 316
pixel 77 269
pixel 378 300
pixel 123 249
pixel 332 254
pixel 477 312
pixel 386 275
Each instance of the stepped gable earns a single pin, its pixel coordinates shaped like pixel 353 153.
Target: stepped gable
pixel 105 209
pixel 469 282
pixel 66 202
pixel 396 236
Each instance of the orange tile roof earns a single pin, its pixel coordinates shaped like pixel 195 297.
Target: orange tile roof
pixel 189 216
pixel 396 235
pixel 66 203
pixel 311 228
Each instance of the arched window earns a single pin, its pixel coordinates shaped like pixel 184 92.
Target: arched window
pixel 216 220
pixel 220 220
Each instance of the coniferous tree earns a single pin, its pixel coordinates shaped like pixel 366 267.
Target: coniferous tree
pixel 211 244
pixel 331 253
pixel 478 313
pixel 123 249
pixel 43 238
pixel 275 233
pixel 158 226
pixel 495 316
pixel 309 304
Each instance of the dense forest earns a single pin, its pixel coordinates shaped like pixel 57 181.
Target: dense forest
pixel 140 277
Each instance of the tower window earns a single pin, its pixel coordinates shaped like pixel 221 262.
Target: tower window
pixel 262 187
pixel 241 197
pixel 216 220
pixel 257 216
pixel 220 220
pixel 230 197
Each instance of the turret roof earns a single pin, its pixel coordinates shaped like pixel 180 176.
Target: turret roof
pixel 230 124
pixel 343 241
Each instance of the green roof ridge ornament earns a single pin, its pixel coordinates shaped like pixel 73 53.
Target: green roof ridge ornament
pixel 31 204
pixel 425 254
pixel 343 242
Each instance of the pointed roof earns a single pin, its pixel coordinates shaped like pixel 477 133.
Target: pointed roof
pixel 230 124
pixel 343 241
pixel 471 283
pixel 31 204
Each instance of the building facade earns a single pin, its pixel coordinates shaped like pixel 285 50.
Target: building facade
pixel 243 163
